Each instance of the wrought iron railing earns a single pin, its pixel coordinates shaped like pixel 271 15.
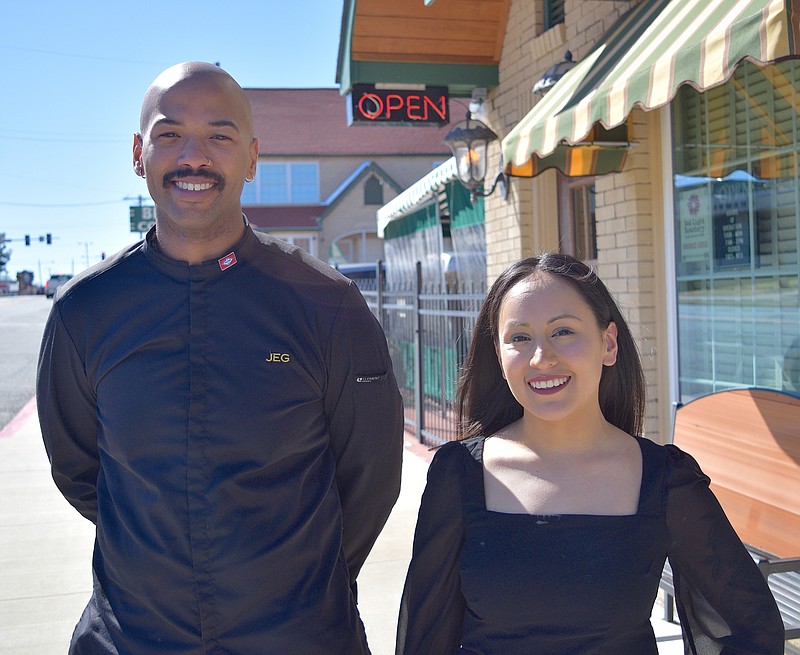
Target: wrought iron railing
pixel 428 329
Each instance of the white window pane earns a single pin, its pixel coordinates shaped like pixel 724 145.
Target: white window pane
pixel 273 184
pixel 305 183
pixel 249 195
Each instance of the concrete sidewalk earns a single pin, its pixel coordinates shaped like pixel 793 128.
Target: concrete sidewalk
pixel 46 551
pixel 45 547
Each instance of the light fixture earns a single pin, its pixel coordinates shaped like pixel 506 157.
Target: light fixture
pixel 553 74
pixel 477 103
pixel 468 141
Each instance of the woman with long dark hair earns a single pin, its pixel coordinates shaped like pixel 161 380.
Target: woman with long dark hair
pixel 545 528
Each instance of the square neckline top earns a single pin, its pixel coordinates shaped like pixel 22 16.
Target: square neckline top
pixel 475 448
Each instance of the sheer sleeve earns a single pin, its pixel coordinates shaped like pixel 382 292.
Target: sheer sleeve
pixel 432 606
pixel 724 603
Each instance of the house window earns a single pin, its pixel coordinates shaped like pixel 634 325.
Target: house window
pixel 373 191
pixel 307 243
pixel 737 231
pixel 283 184
pixel 577 223
pixel 553 13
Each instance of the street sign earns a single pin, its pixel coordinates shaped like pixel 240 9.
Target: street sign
pixel 143 217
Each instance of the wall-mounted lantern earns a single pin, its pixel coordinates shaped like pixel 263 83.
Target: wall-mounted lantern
pixel 468 141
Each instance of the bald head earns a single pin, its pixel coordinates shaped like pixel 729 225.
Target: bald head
pixel 196 74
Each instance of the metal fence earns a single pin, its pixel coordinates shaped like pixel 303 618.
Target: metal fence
pixel 429 331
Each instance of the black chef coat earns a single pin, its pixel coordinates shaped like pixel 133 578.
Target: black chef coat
pixel 234 429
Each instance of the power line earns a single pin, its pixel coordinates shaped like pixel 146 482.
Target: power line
pixel 51 139
pixel 57 205
pixel 78 56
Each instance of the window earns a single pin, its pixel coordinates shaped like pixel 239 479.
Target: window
pixel 553 13
pixel 283 184
pixel 373 191
pixel 576 217
pixel 737 228
pixel 307 243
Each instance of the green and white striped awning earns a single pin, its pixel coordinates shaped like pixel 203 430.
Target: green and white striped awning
pixel 644 59
pixel 416 195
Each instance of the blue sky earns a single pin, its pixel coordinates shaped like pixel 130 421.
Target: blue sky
pixel 71 86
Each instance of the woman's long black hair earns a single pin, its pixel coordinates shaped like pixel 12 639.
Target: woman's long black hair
pixel 484 401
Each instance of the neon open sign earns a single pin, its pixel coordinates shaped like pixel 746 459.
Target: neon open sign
pixel 370 105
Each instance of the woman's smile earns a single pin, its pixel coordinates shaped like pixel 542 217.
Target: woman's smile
pixel 549 385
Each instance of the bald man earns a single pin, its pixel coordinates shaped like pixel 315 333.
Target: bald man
pixel 222 406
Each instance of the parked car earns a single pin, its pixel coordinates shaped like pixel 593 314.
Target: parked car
pixel 9 287
pixel 362 274
pixel 53 283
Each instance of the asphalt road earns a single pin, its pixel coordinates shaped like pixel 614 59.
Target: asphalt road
pixel 22 320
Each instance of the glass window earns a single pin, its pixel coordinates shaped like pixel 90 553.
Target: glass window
pixel 576 216
pixel 553 13
pixel 307 243
pixel 250 193
pixel 304 183
pixel 272 182
pixel 373 191
pixel 283 184
pixel 737 224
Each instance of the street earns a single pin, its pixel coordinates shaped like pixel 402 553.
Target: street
pixel 22 320
pixel 45 545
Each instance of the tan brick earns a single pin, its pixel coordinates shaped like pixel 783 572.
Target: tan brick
pixel 617 225
pixel 626 238
pixel 606 241
pixel 605 213
pixel 613 196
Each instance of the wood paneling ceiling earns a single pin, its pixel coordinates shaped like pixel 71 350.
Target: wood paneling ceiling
pixel 456 43
pixel 448 31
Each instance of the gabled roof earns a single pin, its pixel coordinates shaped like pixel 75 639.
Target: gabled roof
pixel 355 177
pixel 309 217
pixel 313 122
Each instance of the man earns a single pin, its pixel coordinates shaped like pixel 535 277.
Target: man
pixel 222 406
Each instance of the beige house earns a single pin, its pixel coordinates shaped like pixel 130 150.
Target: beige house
pixel 319 182
pixel 667 156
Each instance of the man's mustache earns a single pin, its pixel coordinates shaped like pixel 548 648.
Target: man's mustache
pixel 190 172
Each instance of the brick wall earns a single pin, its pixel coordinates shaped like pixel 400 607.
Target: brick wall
pixel 626 228
pixel 528 222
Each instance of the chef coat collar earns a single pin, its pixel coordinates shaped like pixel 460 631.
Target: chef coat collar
pixel 234 257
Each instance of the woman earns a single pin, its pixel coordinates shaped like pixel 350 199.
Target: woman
pixel 546 527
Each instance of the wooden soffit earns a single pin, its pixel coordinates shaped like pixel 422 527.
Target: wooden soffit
pixel 453 43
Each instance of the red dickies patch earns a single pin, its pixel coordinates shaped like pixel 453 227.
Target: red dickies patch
pixel 227 261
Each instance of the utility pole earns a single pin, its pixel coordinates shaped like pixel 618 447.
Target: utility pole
pixel 86 245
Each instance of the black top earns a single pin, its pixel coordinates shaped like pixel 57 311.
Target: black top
pixel 234 429
pixel 490 583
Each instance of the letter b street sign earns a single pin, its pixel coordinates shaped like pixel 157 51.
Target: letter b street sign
pixel 143 217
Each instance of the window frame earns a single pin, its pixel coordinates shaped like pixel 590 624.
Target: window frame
pixel 553 13
pixel 568 220
pixel 289 188
pixel 373 191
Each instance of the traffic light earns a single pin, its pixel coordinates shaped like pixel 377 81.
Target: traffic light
pixel 49 238
pixel 27 239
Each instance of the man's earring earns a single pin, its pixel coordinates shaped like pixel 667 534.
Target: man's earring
pixel 247 179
